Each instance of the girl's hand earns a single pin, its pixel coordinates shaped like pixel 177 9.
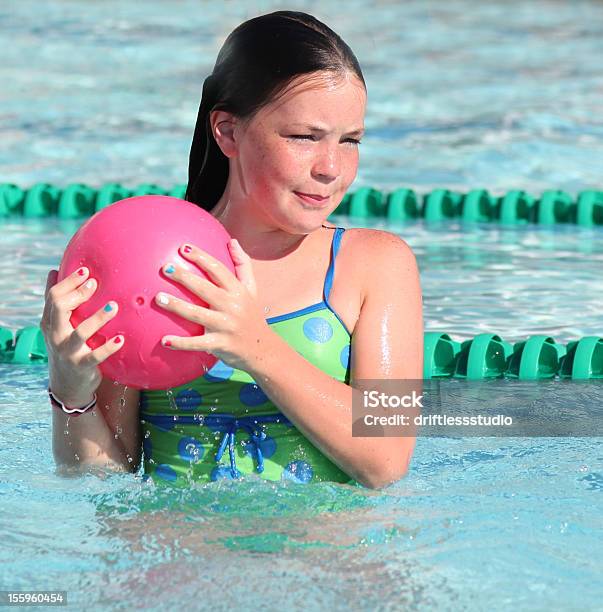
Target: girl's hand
pixel 73 369
pixel 234 324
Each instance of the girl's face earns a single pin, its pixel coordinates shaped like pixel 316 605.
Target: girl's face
pixel 306 142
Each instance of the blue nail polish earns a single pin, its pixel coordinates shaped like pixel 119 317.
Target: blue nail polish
pixel 108 308
pixel 170 269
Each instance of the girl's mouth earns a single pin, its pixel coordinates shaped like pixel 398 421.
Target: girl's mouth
pixel 311 199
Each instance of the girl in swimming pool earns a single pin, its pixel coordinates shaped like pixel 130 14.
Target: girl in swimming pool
pixel 274 150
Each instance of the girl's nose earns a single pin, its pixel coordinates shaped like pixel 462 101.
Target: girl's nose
pixel 327 163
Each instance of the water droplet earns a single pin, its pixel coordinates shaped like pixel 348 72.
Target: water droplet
pixel 77 457
pixel 192 449
pixel 147 433
pixel 171 400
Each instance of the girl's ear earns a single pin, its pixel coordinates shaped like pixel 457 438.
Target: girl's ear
pixel 223 127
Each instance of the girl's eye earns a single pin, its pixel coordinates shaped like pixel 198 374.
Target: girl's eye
pixel 312 137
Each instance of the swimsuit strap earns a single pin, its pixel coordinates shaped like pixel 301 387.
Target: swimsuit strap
pixel 334 250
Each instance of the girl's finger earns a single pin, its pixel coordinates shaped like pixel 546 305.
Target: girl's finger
pixel 70 282
pixel 51 281
pixel 60 315
pixel 88 327
pixel 98 355
pixel 215 269
pixel 202 343
pixel 243 266
pixel 197 284
pixel 187 310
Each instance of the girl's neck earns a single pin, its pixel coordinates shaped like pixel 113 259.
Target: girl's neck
pixel 259 241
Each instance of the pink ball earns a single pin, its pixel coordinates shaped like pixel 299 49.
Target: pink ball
pixel 125 247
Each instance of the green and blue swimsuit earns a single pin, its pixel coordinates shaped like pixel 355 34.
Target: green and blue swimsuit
pixel 222 425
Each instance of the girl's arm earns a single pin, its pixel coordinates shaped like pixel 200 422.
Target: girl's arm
pixel 387 343
pixel 107 436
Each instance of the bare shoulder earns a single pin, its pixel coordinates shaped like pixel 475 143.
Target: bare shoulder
pixel 371 264
pixel 371 250
pixel 375 262
pixel 376 239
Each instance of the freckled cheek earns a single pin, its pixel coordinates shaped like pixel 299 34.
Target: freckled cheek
pixel 258 164
pixel 267 173
pixel 282 165
pixel 349 168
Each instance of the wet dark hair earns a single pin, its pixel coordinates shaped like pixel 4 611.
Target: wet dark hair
pixel 255 65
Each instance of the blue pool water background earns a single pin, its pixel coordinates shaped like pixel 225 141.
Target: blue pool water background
pixel 505 95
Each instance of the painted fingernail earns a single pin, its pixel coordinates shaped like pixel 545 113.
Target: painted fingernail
pixel 82 271
pixel 187 248
pixel 117 340
pixel 166 342
pixel 169 269
pixel 162 298
pixel 89 284
pixel 108 307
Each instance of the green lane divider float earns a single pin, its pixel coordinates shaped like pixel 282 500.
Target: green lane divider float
pixel 477 206
pixel 74 201
pixel 482 357
pixel 27 346
pixel 489 356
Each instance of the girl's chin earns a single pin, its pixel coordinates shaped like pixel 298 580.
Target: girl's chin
pixel 304 224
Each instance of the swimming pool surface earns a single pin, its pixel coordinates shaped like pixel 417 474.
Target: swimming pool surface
pixel 504 95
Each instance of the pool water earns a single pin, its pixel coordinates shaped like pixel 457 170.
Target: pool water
pixel 479 523
pixel 504 95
